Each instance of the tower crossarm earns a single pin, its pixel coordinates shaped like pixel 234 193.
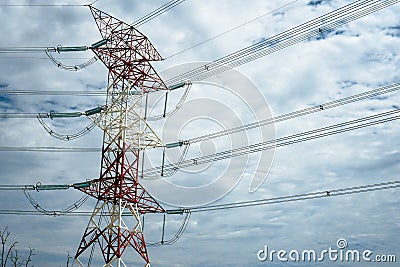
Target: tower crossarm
pixel 127 52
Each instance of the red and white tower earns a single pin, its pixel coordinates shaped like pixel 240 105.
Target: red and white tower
pixel 127 54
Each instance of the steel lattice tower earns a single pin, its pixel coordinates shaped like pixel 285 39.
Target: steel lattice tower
pixel 127 55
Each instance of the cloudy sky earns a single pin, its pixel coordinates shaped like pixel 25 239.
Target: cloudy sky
pixel 358 57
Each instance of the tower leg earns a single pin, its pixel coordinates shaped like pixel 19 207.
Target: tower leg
pixel 109 231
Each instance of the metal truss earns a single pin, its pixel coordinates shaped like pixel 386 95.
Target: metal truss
pixel 127 55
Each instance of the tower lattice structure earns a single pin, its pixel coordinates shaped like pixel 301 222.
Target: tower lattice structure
pixel 127 55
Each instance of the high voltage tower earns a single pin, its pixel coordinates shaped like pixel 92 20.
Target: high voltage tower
pixel 127 54
pixel 114 225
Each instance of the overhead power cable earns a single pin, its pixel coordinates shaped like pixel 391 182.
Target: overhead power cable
pixel 294 114
pixel 283 117
pixel 69 137
pixel 157 12
pixel 48 5
pixel 76 205
pixel 44 5
pixel 99 113
pixel 177 235
pixel 8 187
pixel 302 112
pixel 48 149
pixel 266 201
pixel 279 142
pixel 32 49
pixel 44 187
pixel 51 115
pixel 165 8
pixel 292 139
pixel 19 115
pixel 76 67
pixel 42 57
pixel 300 197
pixel 322 25
pixel 44 92
pixel 232 29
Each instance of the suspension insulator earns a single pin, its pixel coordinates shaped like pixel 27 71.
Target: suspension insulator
pixel 64 115
pixel 180 211
pixel 99 43
pixel 93 111
pixel 180 143
pixel 81 185
pixel 71 48
pixel 52 187
pixel 176 86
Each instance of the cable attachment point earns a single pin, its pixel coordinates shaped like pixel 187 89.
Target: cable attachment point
pixel 36 186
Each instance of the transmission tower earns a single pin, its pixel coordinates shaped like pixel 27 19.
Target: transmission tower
pixel 126 53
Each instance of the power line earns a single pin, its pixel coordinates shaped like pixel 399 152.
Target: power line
pixel 292 139
pixel 177 235
pixel 30 49
pixel 48 5
pixel 322 25
pixel 300 197
pixel 19 115
pixel 52 92
pixel 279 142
pixel 34 212
pixel 163 9
pixel 306 111
pixel 46 187
pixel 48 149
pixel 10 187
pixel 302 112
pixel 294 114
pixel 44 5
pixel 232 29
pixel 46 58
pixel 157 12
pixel 76 205
pixel 266 201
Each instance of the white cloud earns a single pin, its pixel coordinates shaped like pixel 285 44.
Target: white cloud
pixel 363 57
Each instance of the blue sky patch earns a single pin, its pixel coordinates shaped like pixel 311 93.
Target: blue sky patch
pixel 51 102
pixel 289 80
pixel 379 97
pixel 278 14
pixel 263 39
pixel 317 2
pixel 384 57
pixel 5 99
pixel 393 31
pixel 346 84
pixel 326 33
